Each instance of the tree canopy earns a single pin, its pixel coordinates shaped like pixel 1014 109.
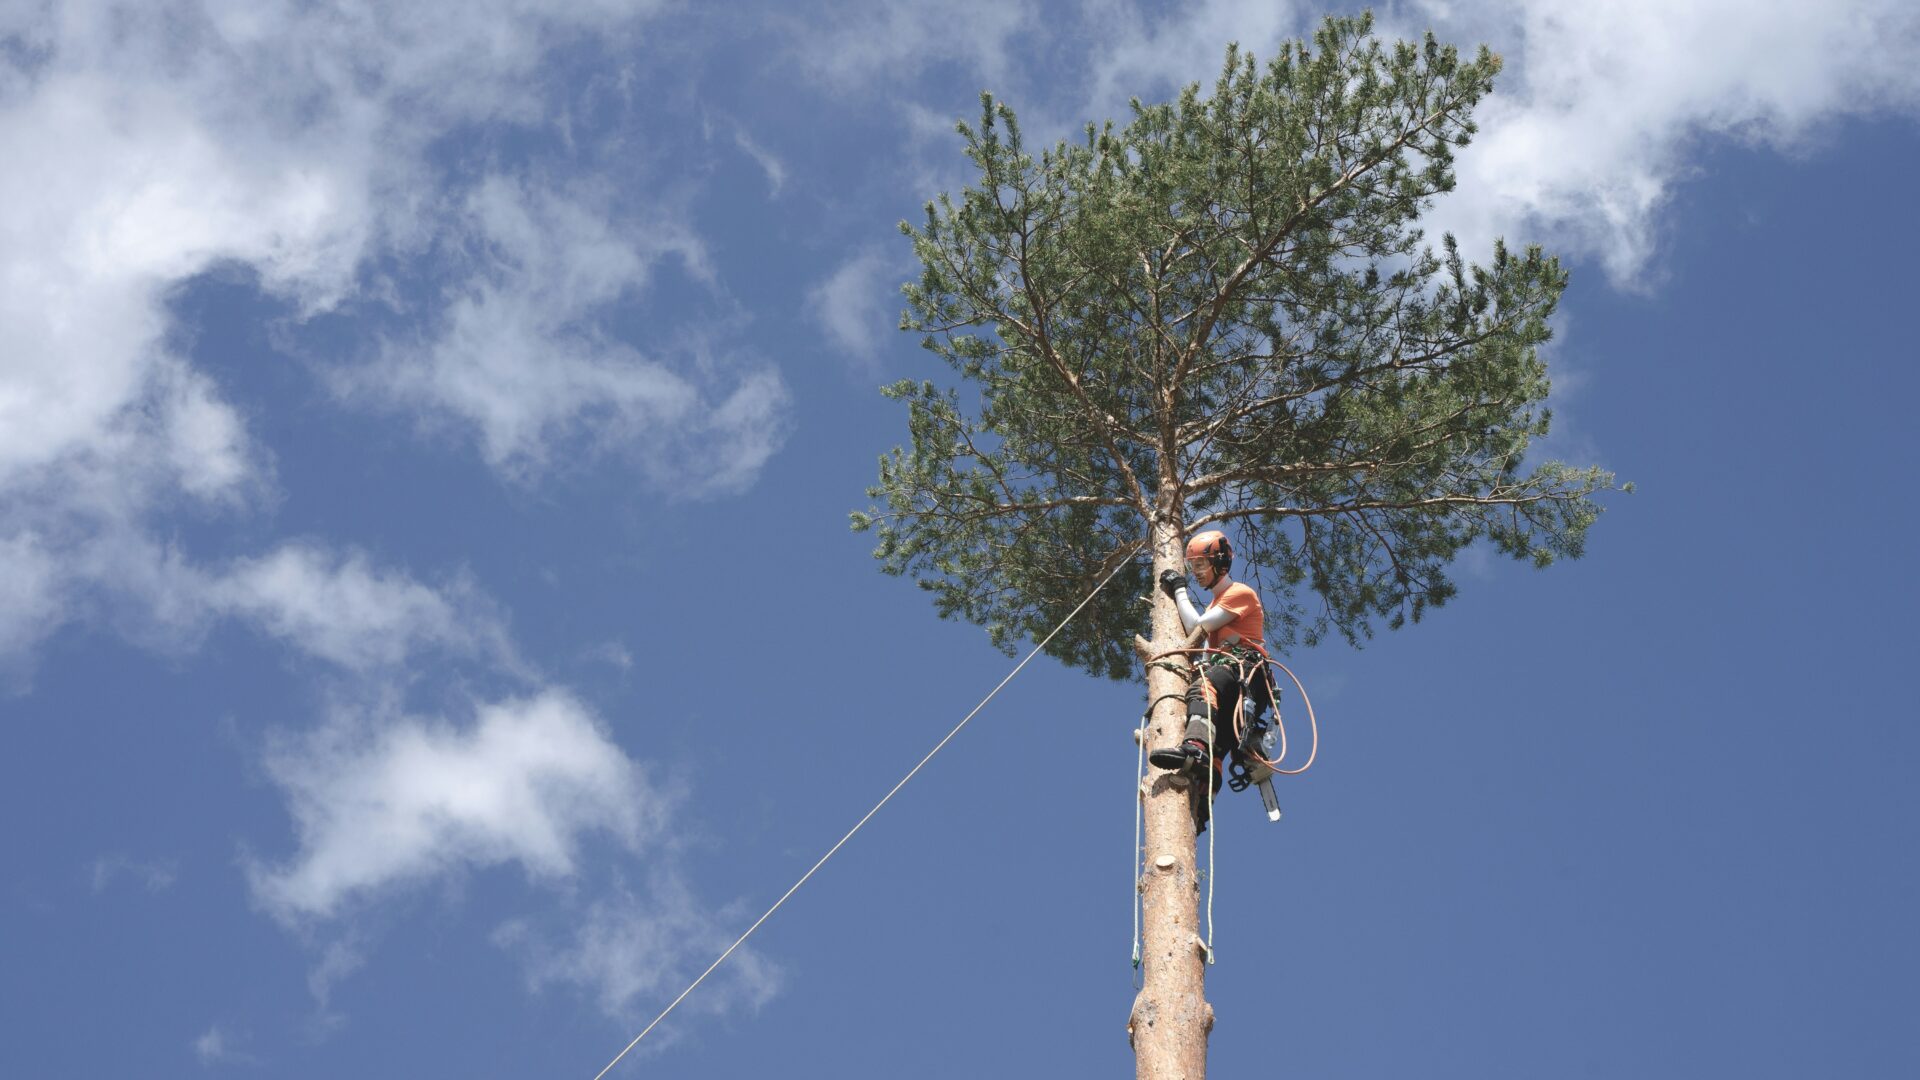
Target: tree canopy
pixel 1225 313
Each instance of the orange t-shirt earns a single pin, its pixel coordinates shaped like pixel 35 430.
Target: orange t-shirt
pixel 1249 622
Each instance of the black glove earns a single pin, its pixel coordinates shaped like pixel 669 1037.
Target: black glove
pixel 1172 581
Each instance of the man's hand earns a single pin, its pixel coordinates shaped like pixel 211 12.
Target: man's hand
pixel 1172 581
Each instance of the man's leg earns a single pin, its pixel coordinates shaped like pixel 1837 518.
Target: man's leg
pixel 1214 693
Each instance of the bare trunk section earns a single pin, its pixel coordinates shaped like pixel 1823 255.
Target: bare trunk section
pixel 1171 1018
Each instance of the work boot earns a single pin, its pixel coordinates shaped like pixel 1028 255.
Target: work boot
pixel 1187 755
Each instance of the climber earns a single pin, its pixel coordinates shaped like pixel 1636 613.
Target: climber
pixel 1235 624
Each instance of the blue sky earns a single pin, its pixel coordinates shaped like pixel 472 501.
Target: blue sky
pixel 429 628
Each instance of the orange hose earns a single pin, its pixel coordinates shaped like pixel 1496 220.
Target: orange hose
pixel 1313 723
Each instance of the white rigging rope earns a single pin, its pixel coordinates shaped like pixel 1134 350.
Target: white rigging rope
pixel 1213 827
pixel 1119 565
pixel 1139 846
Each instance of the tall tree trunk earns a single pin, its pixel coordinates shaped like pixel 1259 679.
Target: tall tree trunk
pixel 1171 1018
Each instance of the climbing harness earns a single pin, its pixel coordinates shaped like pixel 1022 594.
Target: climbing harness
pixel 1256 754
pixel 1259 742
pixel 1119 564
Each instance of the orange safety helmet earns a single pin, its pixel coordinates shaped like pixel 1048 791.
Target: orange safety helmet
pixel 1212 546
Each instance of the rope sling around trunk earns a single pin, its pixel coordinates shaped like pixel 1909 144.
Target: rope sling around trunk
pixel 1119 565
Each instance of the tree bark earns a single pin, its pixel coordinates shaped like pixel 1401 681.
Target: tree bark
pixel 1171 1018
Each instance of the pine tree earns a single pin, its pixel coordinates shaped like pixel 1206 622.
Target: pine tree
pixel 1222 313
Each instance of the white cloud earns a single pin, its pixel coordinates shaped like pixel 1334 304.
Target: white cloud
pixel 205 444
pixel 148 143
pixel 627 948
pixel 29 593
pixel 384 805
pixel 154 875
pixel 769 163
pixel 344 611
pixel 211 1046
pixel 858 43
pixel 119 184
pixel 1600 115
pixel 523 364
pixel 614 654
pixel 338 960
pixel 1604 108
pixel 858 304
pixel 745 430
pixel 1152 56
pixel 219 1046
pixel 336 607
pixel 381 805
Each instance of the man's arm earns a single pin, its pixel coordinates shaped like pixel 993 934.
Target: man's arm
pixel 1174 584
pixel 1192 618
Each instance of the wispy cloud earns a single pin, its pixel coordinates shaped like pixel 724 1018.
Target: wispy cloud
pixel 153 875
pixel 219 1045
pixel 1151 54
pixel 1602 114
pixel 29 595
pixel 341 609
pixel 770 164
pixel 628 947
pixel 338 959
pixel 865 42
pixel 381 803
pixel 335 606
pixel 151 142
pixel 1605 109
pixel 522 360
pixel 384 806
pixel 859 306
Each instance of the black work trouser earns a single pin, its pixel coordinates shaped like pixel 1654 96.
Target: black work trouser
pixel 1215 692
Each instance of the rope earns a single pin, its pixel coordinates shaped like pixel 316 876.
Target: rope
pixel 1139 845
pixel 1213 827
pixel 1313 748
pixel 1139 800
pixel 1121 564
